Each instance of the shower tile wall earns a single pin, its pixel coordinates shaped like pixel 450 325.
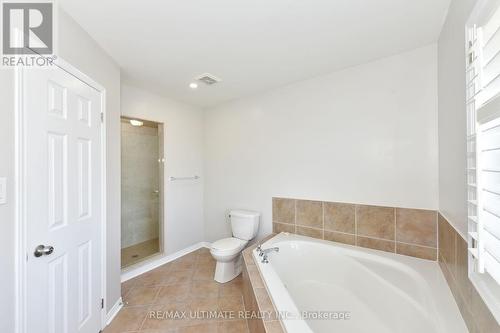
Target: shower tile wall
pixel 140 203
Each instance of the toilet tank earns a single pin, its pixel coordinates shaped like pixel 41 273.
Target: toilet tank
pixel 244 224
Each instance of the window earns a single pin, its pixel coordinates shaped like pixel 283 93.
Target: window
pixel 483 150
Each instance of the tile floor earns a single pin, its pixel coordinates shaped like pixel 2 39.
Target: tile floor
pixel 185 284
pixel 135 253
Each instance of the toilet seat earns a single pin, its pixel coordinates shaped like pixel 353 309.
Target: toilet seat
pixel 227 246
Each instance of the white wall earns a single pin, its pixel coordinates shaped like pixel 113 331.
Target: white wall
pixel 366 134
pixel 452 120
pixel 76 47
pixel 183 127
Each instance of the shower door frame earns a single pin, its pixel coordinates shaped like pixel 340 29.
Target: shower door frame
pixel 161 194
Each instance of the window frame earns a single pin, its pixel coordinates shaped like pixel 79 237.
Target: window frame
pixel 485 285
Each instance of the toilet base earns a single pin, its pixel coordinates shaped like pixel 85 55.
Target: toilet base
pixel 226 271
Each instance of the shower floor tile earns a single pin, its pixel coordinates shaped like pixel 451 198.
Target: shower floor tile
pixel 135 253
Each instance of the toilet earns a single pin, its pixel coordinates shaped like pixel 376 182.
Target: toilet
pixel 227 251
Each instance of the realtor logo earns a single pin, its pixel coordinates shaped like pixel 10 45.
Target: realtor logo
pixel 27 28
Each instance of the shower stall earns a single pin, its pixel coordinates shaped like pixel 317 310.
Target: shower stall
pixel 141 190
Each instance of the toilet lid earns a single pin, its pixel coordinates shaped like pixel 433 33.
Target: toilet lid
pixel 227 244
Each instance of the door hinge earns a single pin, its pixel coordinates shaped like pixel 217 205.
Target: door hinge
pixel 102 117
pixel 102 303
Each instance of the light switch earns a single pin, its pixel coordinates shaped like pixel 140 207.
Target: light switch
pixel 3 191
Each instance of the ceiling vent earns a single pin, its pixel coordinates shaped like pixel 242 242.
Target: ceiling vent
pixel 208 79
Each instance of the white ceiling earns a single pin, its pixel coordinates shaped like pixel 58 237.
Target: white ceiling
pixel 253 46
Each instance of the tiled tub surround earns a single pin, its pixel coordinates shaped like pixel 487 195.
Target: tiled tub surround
pixel 256 297
pixel 453 261
pixel 411 232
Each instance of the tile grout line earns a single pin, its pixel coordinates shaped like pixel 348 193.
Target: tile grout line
pixel 322 230
pixel 370 237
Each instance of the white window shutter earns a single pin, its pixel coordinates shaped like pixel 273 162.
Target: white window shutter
pixel 483 144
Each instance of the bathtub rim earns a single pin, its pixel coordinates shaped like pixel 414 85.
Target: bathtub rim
pixel 444 294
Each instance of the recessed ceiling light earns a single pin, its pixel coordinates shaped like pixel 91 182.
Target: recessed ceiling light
pixel 193 85
pixel 134 122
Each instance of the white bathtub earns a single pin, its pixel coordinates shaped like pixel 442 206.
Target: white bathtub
pixel 379 291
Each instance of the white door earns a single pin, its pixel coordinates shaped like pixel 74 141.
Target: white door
pixel 62 117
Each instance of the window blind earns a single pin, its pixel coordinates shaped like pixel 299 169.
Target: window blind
pixel 483 144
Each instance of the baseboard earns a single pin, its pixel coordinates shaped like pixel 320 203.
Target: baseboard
pixel 114 311
pixel 158 261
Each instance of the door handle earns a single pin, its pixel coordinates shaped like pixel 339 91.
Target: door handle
pixel 41 250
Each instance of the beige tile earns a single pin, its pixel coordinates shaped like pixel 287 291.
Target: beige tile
pixel 461 273
pixel 376 244
pixel 233 326
pixel 232 288
pixel 204 272
pixel 140 295
pixel 157 318
pixel 282 227
pixel 173 293
pixel 234 304
pixel 184 263
pixel 267 238
pixel 127 286
pixel 447 242
pixel 157 277
pixel 138 252
pixel 210 327
pixel 204 289
pixel 248 256
pixel 340 237
pixel 273 326
pixel 284 210
pixel 205 258
pixel 416 226
pixel 446 274
pixel 247 288
pixel 180 276
pixel 256 326
pixel 339 217
pixel 374 221
pixel 310 232
pixel 310 213
pixel 185 290
pixel 453 263
pixel 421 252
pixel 202 305
pixel 255 277
pixel 469 320
pixel 127 320
pixel 265 304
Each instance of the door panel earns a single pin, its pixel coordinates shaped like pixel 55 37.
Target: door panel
pixel 63 169
pixel 58 294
